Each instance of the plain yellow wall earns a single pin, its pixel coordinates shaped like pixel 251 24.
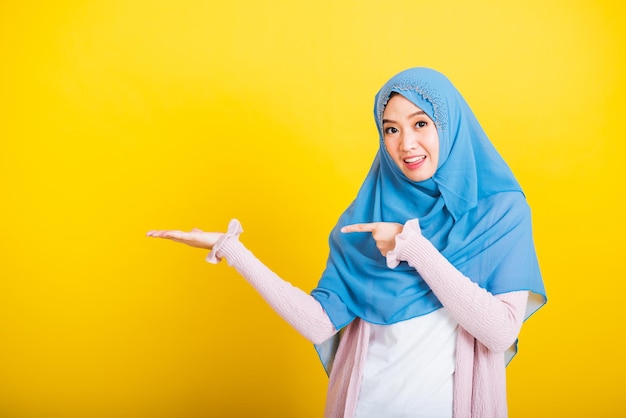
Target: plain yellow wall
pixel 119 116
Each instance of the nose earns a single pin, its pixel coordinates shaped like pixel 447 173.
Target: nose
pixel 409 141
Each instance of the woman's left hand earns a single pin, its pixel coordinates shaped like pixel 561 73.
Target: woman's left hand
pixel 384 233
pixel 194 238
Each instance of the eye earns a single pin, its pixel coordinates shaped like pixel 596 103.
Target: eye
pixel 421 124
pixel 391 130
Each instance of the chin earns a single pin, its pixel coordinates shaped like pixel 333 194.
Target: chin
pixel 419 177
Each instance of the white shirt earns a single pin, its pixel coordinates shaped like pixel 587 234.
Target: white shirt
pixel 409 369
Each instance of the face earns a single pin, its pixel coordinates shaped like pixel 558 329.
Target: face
pixel 411 138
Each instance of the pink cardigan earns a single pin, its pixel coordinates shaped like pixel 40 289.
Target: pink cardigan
pixel 488 324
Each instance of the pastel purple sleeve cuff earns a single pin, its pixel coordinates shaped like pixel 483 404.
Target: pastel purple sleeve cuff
pixel 234 230
pixel 411 229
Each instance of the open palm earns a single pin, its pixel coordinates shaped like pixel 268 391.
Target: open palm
pixel 194 238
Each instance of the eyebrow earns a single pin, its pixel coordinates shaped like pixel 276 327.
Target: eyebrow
pixel 419 112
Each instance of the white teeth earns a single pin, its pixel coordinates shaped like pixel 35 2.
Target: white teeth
pixel 414 159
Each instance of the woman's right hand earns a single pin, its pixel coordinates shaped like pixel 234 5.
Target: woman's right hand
pixel 194 238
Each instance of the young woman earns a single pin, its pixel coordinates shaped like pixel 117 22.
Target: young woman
pixel 432 268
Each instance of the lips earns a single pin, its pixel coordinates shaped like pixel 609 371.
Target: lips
pixel 414 160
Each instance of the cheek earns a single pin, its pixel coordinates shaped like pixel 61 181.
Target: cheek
pixel 388 147
pixel 435 149
pixel 434 154
pixel 434 145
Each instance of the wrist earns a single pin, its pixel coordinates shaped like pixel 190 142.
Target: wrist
pixel 410 230
pixel 233 232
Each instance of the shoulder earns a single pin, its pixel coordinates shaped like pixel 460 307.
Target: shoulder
pixel 511 207
pixel 506 201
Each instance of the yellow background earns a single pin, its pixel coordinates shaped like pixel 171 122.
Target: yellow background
pixel 120 116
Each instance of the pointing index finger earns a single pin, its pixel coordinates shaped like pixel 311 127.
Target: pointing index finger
pixel 366 227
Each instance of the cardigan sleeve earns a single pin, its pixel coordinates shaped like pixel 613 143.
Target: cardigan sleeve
pixel 299 309
pixel 494 320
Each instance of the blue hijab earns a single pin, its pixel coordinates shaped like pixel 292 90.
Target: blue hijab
pixel 472 210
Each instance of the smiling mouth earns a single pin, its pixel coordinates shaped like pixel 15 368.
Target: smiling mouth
pixel 414 160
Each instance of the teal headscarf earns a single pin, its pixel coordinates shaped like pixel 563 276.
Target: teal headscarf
pixel 472 210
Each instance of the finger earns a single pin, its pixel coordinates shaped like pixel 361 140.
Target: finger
pixel 155 233
pixel 165 233
pixel 366 227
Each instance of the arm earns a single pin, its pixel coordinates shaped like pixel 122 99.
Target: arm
pixel 301 310
pixel 298 308
pixel 493 320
